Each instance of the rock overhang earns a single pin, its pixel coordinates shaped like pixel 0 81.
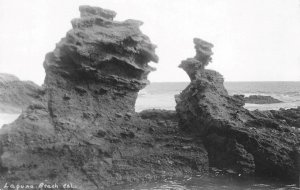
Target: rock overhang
pixel 99 47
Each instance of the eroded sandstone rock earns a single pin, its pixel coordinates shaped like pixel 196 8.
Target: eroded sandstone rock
pixel 235 138
pixel 86 132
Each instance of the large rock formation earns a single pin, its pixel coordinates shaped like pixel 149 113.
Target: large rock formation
pixel 100 59
pixel 86 131
pixel 16 95
pixel 246 142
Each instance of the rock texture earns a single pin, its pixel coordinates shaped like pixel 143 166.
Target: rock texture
pixel 16 95
pixel 261 143
pixel 108 58
pixel 86 131
pixel 258 99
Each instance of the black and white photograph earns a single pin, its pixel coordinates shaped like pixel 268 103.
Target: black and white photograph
pixel 150 94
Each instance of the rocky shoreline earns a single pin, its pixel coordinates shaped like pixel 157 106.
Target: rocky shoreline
pixel 84 130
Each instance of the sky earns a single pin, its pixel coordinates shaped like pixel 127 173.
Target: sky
pixel 255 40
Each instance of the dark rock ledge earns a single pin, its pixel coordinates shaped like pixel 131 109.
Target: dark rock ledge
pixel 85 131
pixel 259 99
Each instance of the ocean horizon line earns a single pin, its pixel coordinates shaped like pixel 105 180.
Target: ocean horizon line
pixel 224 81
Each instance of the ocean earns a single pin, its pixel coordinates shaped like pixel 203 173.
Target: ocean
pixel 161 95
pixel 203 182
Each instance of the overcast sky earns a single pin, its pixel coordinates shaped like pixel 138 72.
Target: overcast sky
pixel 255 40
